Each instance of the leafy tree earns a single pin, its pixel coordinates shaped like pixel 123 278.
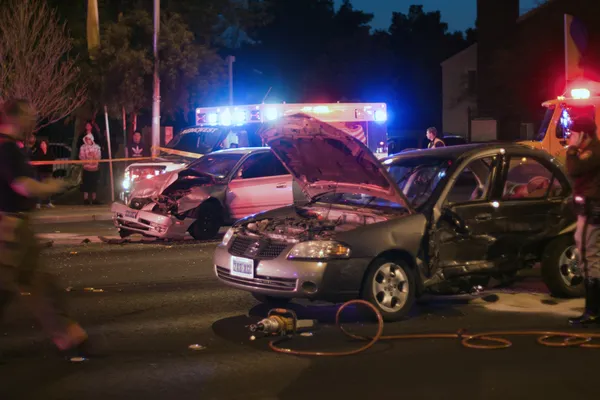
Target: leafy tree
pixel 36 63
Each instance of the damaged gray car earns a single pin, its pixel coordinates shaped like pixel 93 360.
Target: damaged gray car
pixel 441 220
pixel 217 189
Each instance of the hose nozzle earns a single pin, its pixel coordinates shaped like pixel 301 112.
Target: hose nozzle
pixel 281 322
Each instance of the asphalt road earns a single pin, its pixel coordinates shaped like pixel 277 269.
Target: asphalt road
pixel 157 300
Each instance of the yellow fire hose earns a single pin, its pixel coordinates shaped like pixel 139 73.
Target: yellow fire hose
pixel 493 338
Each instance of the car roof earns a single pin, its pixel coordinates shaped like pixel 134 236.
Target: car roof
pixel 465 150
pixel 243 150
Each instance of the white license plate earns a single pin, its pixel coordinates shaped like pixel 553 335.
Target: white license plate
pixel 131 214
pixel 242 267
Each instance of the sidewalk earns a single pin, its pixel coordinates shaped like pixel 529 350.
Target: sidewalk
pixel 66 214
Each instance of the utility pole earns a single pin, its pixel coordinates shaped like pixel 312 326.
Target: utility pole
pixel 230 61
pixel 156 98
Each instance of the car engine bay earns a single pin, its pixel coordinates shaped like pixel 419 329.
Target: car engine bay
pixel 311 223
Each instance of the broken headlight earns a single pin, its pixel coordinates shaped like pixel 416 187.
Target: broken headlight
pixel 319 250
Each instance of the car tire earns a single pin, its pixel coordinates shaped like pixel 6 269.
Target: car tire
pixel 402 290
pixel 209 218
pixel 271 300
pixel 557 263
pixel 123 233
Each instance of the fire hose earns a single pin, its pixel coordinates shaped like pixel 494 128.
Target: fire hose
pixel 285 324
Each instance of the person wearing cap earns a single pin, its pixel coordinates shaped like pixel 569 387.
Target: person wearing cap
pixel 90 151
pixel 434 140
pixel 20 269
pixel 583 166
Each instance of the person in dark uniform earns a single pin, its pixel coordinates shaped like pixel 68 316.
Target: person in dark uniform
pixel 434 140
pixel 19 251
pixel 583 166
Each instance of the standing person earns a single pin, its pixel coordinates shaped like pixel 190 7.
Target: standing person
pixel 90 151
pixel 137 148
pixel 434 140
pixel 583 165
pixel 19 251
pixel 44 172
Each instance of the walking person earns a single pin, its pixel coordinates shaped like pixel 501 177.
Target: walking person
pixel 90 151
pixel 583 165
pixel 44 172
pixel 20 268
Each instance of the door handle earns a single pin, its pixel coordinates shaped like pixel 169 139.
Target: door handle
pixel 281 186
pixel 483 217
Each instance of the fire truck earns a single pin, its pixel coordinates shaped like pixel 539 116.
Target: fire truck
pixel 582 98
pixel 365 121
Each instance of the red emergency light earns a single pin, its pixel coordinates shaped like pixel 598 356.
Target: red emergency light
pixel 580 93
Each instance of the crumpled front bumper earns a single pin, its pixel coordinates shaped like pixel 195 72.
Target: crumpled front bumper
pixel 149 223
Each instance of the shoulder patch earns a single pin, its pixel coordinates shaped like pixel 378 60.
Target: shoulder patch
pixel 585 155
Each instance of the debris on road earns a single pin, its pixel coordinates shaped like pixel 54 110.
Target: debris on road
pixel 196 347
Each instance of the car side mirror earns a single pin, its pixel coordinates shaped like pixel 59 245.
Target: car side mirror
pixel 455 221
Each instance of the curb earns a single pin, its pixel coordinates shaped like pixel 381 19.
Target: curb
pixel 48 219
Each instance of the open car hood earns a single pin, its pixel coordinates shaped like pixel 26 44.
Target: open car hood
pixel 154 186
pixel 323 158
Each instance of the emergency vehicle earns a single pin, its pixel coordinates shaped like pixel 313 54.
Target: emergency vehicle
pixel 365 121
pixel 219 128
pixel 581 99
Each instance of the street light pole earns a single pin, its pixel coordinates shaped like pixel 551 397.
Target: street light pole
pixel 230 61
pixel 156 98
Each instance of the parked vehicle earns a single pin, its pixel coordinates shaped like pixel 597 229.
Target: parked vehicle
pixel 394 145
pixel 445 218
pixel 218 188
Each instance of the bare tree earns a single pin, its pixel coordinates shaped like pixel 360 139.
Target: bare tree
pixel 35 63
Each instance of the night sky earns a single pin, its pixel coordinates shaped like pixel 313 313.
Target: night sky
pixel 459 14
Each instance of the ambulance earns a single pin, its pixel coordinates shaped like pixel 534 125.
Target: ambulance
pixel 365 121
pixel 582 98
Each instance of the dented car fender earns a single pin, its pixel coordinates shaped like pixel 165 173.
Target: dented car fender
pixel 198 195
pixel 398 234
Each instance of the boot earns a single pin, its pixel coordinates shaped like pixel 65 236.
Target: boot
pixel 591 315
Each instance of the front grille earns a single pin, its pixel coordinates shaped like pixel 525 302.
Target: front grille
pixel 259 281
pixel 257 249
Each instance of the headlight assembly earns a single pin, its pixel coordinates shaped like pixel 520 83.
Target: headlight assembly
pixel 319 250
pixel 227 237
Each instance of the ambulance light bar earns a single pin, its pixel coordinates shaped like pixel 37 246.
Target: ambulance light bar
pixel 580 93
pixel 240 115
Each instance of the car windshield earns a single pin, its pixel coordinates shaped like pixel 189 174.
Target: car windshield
pixel 545 123
pixel 219 165
pixel 196 140
pixel 418 177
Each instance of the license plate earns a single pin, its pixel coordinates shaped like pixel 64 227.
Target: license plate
pixel 131 214
pixel 242 267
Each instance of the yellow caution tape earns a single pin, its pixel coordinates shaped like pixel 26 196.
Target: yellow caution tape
pixel 89 161
pixel 178 152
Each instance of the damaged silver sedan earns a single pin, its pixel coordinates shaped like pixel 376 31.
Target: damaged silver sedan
pixel 441 220
pixel 217 189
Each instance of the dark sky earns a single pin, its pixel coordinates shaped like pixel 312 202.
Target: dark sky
pixel 459 14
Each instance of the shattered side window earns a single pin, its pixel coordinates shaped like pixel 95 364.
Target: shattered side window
pixel 527 178
pixel 473 182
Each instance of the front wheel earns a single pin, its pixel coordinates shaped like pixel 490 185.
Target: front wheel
pixel 390 286
pixel 560 268
pixel 209 218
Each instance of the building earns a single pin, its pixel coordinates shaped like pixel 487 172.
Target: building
pixel 459 88
pixel 520 64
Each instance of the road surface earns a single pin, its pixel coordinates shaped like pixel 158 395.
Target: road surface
pixel 157 300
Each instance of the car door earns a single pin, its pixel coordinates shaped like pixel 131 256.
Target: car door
pixel 261 183
pixel 534 199
pixel 465 233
